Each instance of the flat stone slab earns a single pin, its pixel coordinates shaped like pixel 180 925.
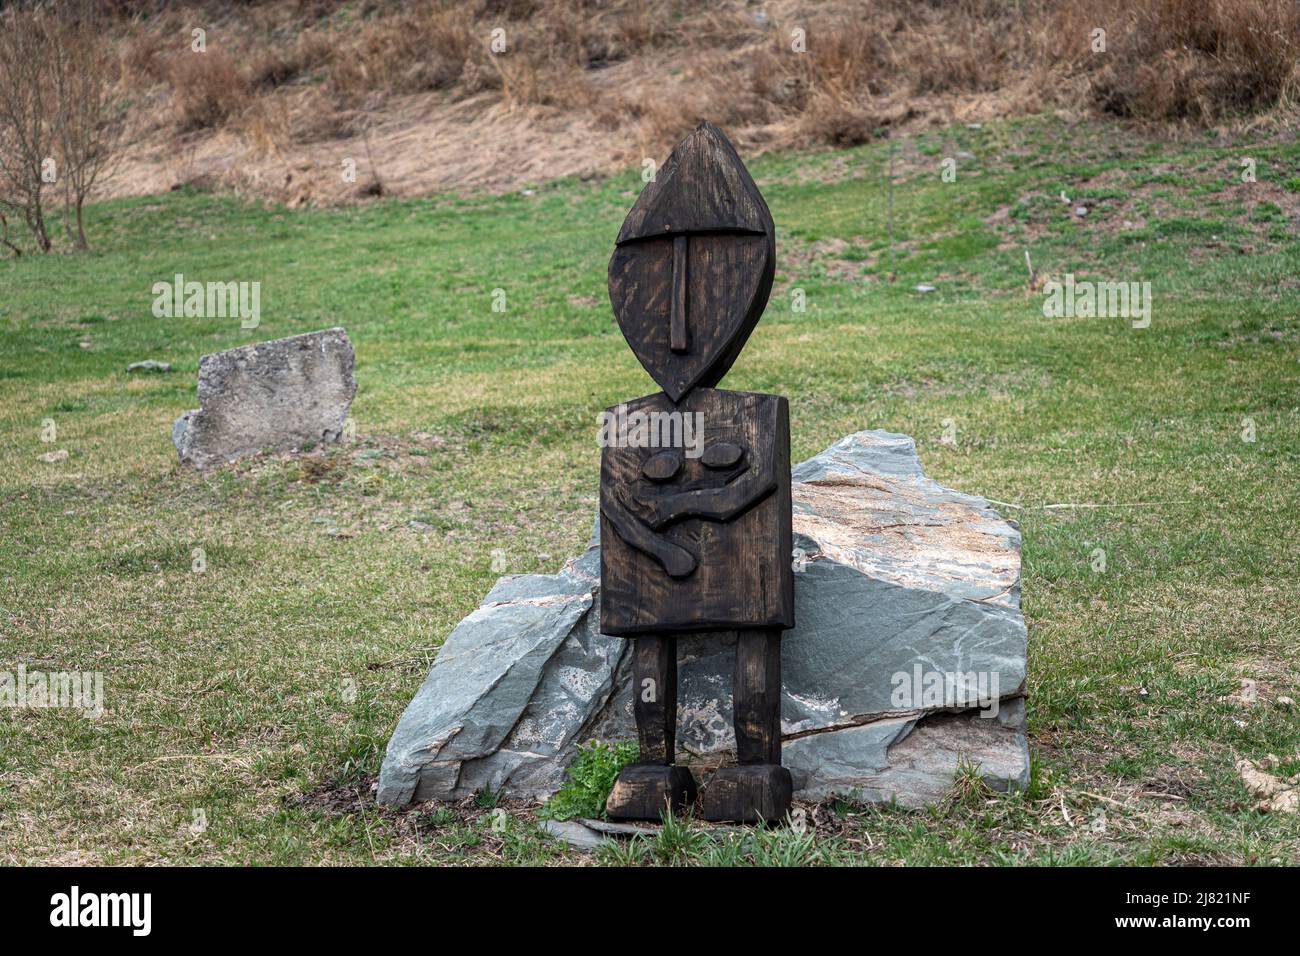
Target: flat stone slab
pixel 574 833
pixel 907 660
pixel 269 396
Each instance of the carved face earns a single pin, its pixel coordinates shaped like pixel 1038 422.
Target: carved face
pixel 693 266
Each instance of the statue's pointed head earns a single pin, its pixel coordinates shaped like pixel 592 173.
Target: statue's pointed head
pixel 693 264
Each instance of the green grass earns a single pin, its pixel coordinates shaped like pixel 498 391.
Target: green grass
pixel 256 696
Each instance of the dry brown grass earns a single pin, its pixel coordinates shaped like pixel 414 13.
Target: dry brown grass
pixel 207 89
pixel 1184 60
pixel 273 66
pixel 420 48
pixel 289 74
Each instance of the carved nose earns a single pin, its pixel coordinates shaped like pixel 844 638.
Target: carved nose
pixel 677 335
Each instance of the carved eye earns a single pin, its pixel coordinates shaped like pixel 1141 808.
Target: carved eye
pixel 662 466
pixel 722 455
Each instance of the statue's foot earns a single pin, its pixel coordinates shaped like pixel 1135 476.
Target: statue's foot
pixel 749 793
pixel 643 791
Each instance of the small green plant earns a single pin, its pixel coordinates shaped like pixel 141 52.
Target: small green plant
pixel 1268 212
pixel 590 779
pixel 766 846
pixel 677 841
pixel 969 789
pixel 441 817
pixel 1040 779
pixel 782 846
pixel 487 798
pixel 633 852
pixel 726 853
pixel 853 802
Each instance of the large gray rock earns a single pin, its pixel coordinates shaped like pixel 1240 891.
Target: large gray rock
pixel 269 396
pixel 908 658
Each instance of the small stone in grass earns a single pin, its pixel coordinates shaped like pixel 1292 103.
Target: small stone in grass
pixel 924 288
pixel 1081 210
pixel 1285 702
pixel 574 834
pixel 149 365
pixel 51 457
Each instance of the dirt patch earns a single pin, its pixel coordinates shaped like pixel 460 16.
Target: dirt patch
pixel 336 798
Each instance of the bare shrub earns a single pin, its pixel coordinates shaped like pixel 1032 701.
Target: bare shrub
pixel 4 233
pixel 86 124
pixel 26 105
pixel 207 89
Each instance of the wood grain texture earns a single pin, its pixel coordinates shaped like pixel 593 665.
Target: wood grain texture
pixel 709 548
pixel 678 339
pixel 654 696
pixel 693 264
pixel 756 692
pixel 643 791
pixel 695 527
pixel 702 187
pixel 748 794
pixel 727 282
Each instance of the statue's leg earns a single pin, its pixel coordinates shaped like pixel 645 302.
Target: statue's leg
pixel 759 788
pixel 654 700
pixel 645 789
pixel 757 697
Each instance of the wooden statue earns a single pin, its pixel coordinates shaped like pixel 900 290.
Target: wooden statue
pixel 695 522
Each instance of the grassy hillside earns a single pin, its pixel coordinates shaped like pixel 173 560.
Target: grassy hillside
pixel 262 691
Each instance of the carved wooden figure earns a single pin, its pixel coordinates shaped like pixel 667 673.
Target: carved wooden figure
pixel 695 481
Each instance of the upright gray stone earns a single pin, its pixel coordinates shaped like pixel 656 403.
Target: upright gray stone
pixel 269 396
pixel 907 659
